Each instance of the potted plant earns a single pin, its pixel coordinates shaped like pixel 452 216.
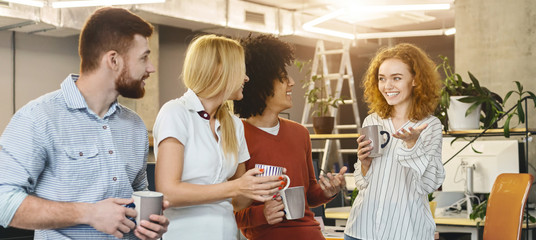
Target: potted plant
pixel 486 105
pixel 479 213
pixel 518 110
pixel 318 96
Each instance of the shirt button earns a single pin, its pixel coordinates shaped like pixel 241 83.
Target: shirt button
pixel 110 152
pixel 81 154
pixel 104 127
pixel 114 178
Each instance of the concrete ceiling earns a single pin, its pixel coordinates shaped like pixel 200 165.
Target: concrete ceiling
pixel 238 17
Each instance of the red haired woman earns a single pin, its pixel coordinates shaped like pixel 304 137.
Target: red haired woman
pixel 402 90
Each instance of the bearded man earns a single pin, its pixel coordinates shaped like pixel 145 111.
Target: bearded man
pixel 72 158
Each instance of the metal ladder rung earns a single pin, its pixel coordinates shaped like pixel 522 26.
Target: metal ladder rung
pixel 348 151
pixel 348 126
pixel 335 76
pixel 348 101
pixel 317 150
pixel 334 51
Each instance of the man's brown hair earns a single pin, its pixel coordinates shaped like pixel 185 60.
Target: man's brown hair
pixel 109 29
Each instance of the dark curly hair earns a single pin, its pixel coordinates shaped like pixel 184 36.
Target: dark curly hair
pixel 266 59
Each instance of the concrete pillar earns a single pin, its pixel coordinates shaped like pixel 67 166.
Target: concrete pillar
pixel 496 41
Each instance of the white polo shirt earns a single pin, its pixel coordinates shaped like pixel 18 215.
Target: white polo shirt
pixel 204 163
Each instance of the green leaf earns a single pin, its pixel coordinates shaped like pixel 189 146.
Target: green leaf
pixel 506 126
pixel 520 112
pixel 472 108
pixel 474 80
pixel 476 151
pixel 470 99
pixel 519 86
pixel 533 98
pixel 508 95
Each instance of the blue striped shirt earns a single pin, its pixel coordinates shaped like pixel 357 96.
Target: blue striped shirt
pixel 56 148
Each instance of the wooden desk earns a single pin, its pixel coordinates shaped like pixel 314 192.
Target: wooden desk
pixel 443 224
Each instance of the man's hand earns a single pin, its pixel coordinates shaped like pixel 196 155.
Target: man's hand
pixel 273 210
pixel 155 228
pixel 110 216
pixel 332 184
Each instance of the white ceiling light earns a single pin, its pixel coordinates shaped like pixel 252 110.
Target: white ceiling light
pixel 450 31
pixel 89 3
pixel 401 8
pixel 32 3
pixel 311 26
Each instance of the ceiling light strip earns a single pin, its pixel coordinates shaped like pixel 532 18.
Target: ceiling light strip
pixel 32 3
pixel 401 8
pixel 417 33
pixel 73 4
pixel 377 35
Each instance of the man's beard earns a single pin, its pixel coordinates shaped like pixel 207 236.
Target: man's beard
pixel 130 89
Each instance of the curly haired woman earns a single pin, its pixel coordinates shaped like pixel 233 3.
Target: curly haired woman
pixel 402 91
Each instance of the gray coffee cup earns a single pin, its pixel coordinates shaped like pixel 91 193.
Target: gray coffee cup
pixel 294 201
pixel 147 203
pixel 374 134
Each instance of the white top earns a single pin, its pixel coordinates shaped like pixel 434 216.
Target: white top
pixel 271 130
pixel 204 163
pixel 392 202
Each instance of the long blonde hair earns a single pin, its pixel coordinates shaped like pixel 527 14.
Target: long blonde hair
pixel 211 67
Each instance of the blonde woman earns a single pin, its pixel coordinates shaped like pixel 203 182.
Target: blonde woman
pixel 200 146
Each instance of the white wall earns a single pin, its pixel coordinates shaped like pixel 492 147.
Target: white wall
pixel 41 64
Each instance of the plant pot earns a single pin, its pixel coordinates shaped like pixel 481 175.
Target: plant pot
pixel 323 125
pixel 458 120
pixel 433 205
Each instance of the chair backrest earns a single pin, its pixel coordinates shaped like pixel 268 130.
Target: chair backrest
pixel 506 202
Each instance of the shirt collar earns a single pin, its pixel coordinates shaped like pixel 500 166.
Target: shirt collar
pixel 74 98
pixel 193 103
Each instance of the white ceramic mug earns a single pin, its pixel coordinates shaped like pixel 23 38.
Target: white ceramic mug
pixel 374 134
pixel 270 170
pixel 147 203
pixel 294 201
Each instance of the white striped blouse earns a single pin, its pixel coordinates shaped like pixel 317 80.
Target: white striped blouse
pixel 392 202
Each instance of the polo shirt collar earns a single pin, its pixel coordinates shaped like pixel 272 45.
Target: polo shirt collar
pixel 193 103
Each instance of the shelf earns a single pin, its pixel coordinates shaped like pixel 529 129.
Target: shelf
pixel 464 133
pixel 334 136
pixel 490 132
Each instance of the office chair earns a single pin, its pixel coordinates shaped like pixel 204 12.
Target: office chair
pixel 506 203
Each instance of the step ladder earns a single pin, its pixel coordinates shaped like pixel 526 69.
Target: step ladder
pixel 320 63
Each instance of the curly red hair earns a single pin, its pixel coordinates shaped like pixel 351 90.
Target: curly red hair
pixel 427 87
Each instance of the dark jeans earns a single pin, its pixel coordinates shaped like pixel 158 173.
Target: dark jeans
pixel 346 237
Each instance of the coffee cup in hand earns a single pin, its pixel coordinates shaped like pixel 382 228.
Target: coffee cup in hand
pixel 294 201
pixel 269 170
pixel 375 133
pixel 147 203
